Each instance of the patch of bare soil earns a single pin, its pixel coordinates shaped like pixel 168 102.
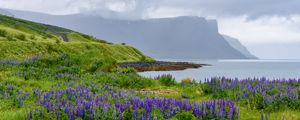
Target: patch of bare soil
pixel 159 91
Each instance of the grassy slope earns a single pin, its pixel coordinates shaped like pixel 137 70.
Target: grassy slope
pixel 20 39
pixel 24 39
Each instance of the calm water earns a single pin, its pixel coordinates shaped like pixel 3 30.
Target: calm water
pixel 276 69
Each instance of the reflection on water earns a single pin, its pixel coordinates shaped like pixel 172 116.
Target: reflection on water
pixel 273 69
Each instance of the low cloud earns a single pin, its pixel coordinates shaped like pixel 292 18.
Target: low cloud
pixel 121 9
pixel 275 29
pixel 143 8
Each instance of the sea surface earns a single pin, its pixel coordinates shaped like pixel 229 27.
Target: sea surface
pixel 271 69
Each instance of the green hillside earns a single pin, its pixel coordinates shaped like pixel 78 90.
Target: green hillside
pixel 37 56
pixel 21 39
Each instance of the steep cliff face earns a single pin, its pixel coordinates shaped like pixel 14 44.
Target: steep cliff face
pixel 179 38
pixel 235 43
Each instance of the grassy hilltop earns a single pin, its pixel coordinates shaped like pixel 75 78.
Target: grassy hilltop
pixel 24 39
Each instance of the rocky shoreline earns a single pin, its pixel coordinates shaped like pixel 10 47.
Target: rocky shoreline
pixel 159 66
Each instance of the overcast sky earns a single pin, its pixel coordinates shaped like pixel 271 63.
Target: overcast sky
pixel 251 21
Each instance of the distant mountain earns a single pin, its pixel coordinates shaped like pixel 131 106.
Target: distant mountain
pixel 235 43
pixel 172 38
pixel 4 12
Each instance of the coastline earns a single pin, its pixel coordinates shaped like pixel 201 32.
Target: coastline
pixel 160 66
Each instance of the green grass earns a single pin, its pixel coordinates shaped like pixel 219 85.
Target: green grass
pixel 246 114
pixel 19 114
pixel 91 51
pixel 21 39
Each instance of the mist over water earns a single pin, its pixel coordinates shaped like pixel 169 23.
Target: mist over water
pixel 271 69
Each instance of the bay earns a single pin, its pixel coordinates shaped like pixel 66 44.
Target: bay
pixel 271 69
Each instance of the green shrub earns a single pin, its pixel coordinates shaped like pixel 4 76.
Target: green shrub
pixel 49 35
pixel 89 47
pixel 70 70
pixel 128 115
pixel 124 70
pixel 57 41
pixel 21 37
pixel 186 81
pixel 96 66
pixel 143 58
pixel 108 65
pixel 105 65
pixel 32 37
pixel 184 116
pixel 123 80
pixel 133 82
pixel 191 91
pixel 3 33
pixel 10 38
pixel 167 80
pixel 52 49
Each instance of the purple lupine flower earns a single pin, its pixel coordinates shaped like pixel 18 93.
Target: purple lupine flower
pixel 135 114
pixel 57 114
pixel 25 96
pixel 81 106
pixel 173 112
pixel 29 117
pixel 21 102
pixel 231 112
pixel 246 95
pixel 3 94
pixel 41 113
